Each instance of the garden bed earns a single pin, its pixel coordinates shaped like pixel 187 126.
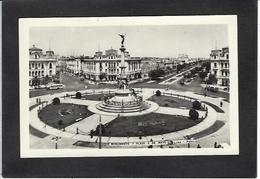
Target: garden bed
pixel 146 125
pixel 63 115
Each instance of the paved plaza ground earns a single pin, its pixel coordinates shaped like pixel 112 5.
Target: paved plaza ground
pixel 217 131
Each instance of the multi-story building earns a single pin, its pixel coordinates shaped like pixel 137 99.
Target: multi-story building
pixel 41 65
pixel 220 65
pixel 73 65
pixel 106 67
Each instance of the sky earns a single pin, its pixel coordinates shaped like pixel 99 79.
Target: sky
pixel 140 41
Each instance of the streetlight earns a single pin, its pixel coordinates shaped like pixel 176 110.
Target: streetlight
pixel 100 132
pixel 56 139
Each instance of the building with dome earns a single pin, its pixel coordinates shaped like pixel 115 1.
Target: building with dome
pixel 41 65
pixel 105 66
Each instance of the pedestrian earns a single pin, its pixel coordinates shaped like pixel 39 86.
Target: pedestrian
pixel 188 145
pixel 37 100
pixel 215 145
pixel 198 146
pixel 221 103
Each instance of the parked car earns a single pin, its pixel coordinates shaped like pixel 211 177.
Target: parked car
pixel 212 89
pixel 56 86
pixel 40 87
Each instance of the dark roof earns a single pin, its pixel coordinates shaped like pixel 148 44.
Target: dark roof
pixel 35 48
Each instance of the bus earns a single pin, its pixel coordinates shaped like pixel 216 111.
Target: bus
pixel 56 86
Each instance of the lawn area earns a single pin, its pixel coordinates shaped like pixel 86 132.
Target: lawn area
pixel 146 125
pixel 170 101
pixel 216 126
pixel 37 133
pixel 65 112
pixel 35 105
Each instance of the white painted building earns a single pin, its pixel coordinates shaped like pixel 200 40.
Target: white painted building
pixel 73 65
pixel 41 65
pixel 106 67
pixel 220 65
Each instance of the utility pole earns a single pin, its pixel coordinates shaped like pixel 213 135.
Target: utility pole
pixel 100 132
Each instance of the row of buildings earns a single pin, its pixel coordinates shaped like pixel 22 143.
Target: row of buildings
pixel 106 66
pixel 99 67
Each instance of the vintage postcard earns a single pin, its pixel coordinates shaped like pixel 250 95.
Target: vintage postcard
pixel 128 86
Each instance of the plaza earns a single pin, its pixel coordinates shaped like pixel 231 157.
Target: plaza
pixel 84 126
pixel 118 110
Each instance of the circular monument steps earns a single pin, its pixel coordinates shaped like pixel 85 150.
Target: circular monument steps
pixel 119 109
pixel 120 106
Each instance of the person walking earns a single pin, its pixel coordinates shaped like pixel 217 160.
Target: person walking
pixel 221 103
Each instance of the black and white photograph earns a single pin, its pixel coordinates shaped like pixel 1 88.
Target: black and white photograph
pixel 128 86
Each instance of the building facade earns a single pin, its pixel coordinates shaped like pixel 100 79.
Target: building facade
pixel 106 67
pixel 41 65
pixel 73 65
pixel 220 65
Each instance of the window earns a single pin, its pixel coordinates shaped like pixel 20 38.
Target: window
pixel 42 66
pixel 33 73
pixel 50 72
pixel 29 73
pixel 227 56
pixel 50 66
pixel 215 64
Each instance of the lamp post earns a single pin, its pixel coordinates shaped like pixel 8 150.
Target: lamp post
pixel 100 132
pixel 55 140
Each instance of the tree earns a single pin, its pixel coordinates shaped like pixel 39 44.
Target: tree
pixel 35 81
pixel 158 93
pixel 56 101
pixel 206 65
pixel 203 75
pixel 155 74
pixel 102 76
pixel 194 115
pixel 78 95
pixel 196 105
pixel 212 79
